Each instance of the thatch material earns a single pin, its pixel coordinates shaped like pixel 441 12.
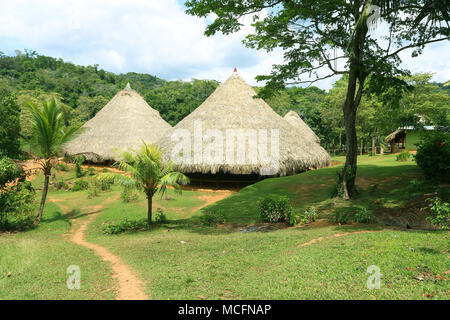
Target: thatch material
pixel 391 137
pixel 123 123
pixel 232 106
pixel 293 118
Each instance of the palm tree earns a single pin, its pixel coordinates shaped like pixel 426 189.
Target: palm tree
pixel 147 172
pixel 48 135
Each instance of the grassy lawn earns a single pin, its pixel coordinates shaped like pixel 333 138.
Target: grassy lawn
pixel 182 259
pixel 38 262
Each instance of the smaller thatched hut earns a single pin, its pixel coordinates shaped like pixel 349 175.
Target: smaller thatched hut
pixel 294 119
pixel 397 140
pixel 122 124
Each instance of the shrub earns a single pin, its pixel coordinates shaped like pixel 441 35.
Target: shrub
pixel 123 226
pixel 160 216
pixel 93 189
pixel 129 195
pixel 17 207
pixel 211 218
pixel 309 216
pixel 362 215
pixel 62 167
pixel 61 184
pixel 403 156
pixel 79 185
pixel 439 212
pixel 105 170
pixel 105 184
pixel 78 169
pixel 277 210
pixel 91 171
pixel 416 185
pixel 433 156
pixel 340 216
pixel 9 172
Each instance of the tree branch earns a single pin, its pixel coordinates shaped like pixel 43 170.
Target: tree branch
pixel 414 45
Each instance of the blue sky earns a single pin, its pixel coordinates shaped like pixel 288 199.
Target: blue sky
pixel 151 36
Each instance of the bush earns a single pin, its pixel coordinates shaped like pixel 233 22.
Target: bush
pixel 78 169
pixel 62 167
pixel 160 216
pixel 129 195
pixel 9 172
pixel 17 207
pixel 309 216
pixel 211 218
pixel 277 210
pixel 362 215
pixel 439 213
pixel 433 156
pixel 91 171
pixel 105 170
pixel 123 226
pixel 403 156
pixel 79 185
pixel 61 185
pixel 340 216
pixel 416 185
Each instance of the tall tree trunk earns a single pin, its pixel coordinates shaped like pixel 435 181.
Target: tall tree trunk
pixel 374 149
pixel 349 170
pixel 356 75
pixel 149 210
pixel 362 147
pixel 44 197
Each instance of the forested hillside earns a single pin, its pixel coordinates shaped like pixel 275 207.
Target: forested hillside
pixel 83 90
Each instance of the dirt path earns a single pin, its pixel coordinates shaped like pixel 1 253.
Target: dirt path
pixel 211 198
pixel 129 286
pixel 336 235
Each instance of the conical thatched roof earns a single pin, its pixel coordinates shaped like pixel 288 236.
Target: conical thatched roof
pixel 293 118
pixel 232 106
pixel 123 123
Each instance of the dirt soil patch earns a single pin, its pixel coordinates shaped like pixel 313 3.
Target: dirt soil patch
pixel 129 286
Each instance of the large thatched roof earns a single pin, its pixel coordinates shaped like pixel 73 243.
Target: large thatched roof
pixel 123 123
pixel 232 106
pixel 293 118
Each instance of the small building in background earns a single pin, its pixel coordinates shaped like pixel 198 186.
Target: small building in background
pixel 406 138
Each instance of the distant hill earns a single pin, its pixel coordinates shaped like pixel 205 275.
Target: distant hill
pixel 83 90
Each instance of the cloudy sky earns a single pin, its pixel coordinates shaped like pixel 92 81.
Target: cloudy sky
pixel 151 36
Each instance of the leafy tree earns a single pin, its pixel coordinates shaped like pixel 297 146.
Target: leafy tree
pixel 48 135
pixel 317 34
pixel 148 173
pixel 9 124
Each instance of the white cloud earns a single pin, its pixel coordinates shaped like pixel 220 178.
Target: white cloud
pixel 150 36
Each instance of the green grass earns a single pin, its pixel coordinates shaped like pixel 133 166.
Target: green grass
pixel 38 260
pixel 224 263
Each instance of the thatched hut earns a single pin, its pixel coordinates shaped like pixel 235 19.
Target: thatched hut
pixel 122 124
pixel 233 108
pixel 294 119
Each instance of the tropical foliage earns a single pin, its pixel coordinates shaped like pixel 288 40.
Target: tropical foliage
pixel 147 172
pixel 48 135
